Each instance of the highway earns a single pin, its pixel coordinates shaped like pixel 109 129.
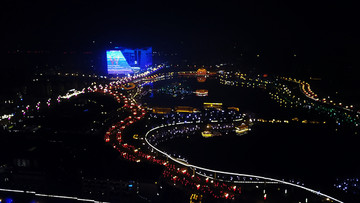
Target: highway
pixel 191 166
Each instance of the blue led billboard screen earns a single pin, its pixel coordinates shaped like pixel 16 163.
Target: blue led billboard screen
pixel 116 63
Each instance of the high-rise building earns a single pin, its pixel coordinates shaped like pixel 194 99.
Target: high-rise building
pixel 124 60
pixel 116 63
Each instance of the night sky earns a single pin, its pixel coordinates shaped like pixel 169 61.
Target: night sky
pixel 322 32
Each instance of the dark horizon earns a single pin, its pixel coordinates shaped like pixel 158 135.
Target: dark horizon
pixel 316 37
pixel 256 26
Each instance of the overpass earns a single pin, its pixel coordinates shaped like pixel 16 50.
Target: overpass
pixel 226 173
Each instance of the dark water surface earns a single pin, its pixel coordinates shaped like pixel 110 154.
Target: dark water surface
pixel 314 154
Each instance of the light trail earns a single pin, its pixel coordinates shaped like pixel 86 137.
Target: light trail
pixel 231 173
pixel 50 196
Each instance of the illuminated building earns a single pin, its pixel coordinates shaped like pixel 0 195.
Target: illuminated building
pixel 206 134
pixel 195 198
pixel 208 105
pixel 184 109
pixel 161 110
pixel 141 58
pixel 243 128
pixel 210 133
pixel 201 93
pixel 123 61
pixel 201 71
pixel 295 119
pixel 233 108
pixel 116 63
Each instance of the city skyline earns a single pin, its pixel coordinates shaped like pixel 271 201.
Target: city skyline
pixel 147 101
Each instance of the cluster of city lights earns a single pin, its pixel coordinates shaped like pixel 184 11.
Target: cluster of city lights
pixel 132 153
pixel 24 109
pixel 186 180
pixel 192 182
pixel 287 121
pixel 350 185
pixel 174 132
pixel 206 116
pixel 73 75
pixel 177 170
pixel 340 112
pixel 222 175
pixel 174 89
pixel 281 93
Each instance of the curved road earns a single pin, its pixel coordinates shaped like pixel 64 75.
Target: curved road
pixel 229 173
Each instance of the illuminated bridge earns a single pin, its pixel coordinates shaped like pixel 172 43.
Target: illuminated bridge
pixel 202 171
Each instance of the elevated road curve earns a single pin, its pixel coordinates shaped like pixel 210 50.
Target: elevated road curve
pixel 226 173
